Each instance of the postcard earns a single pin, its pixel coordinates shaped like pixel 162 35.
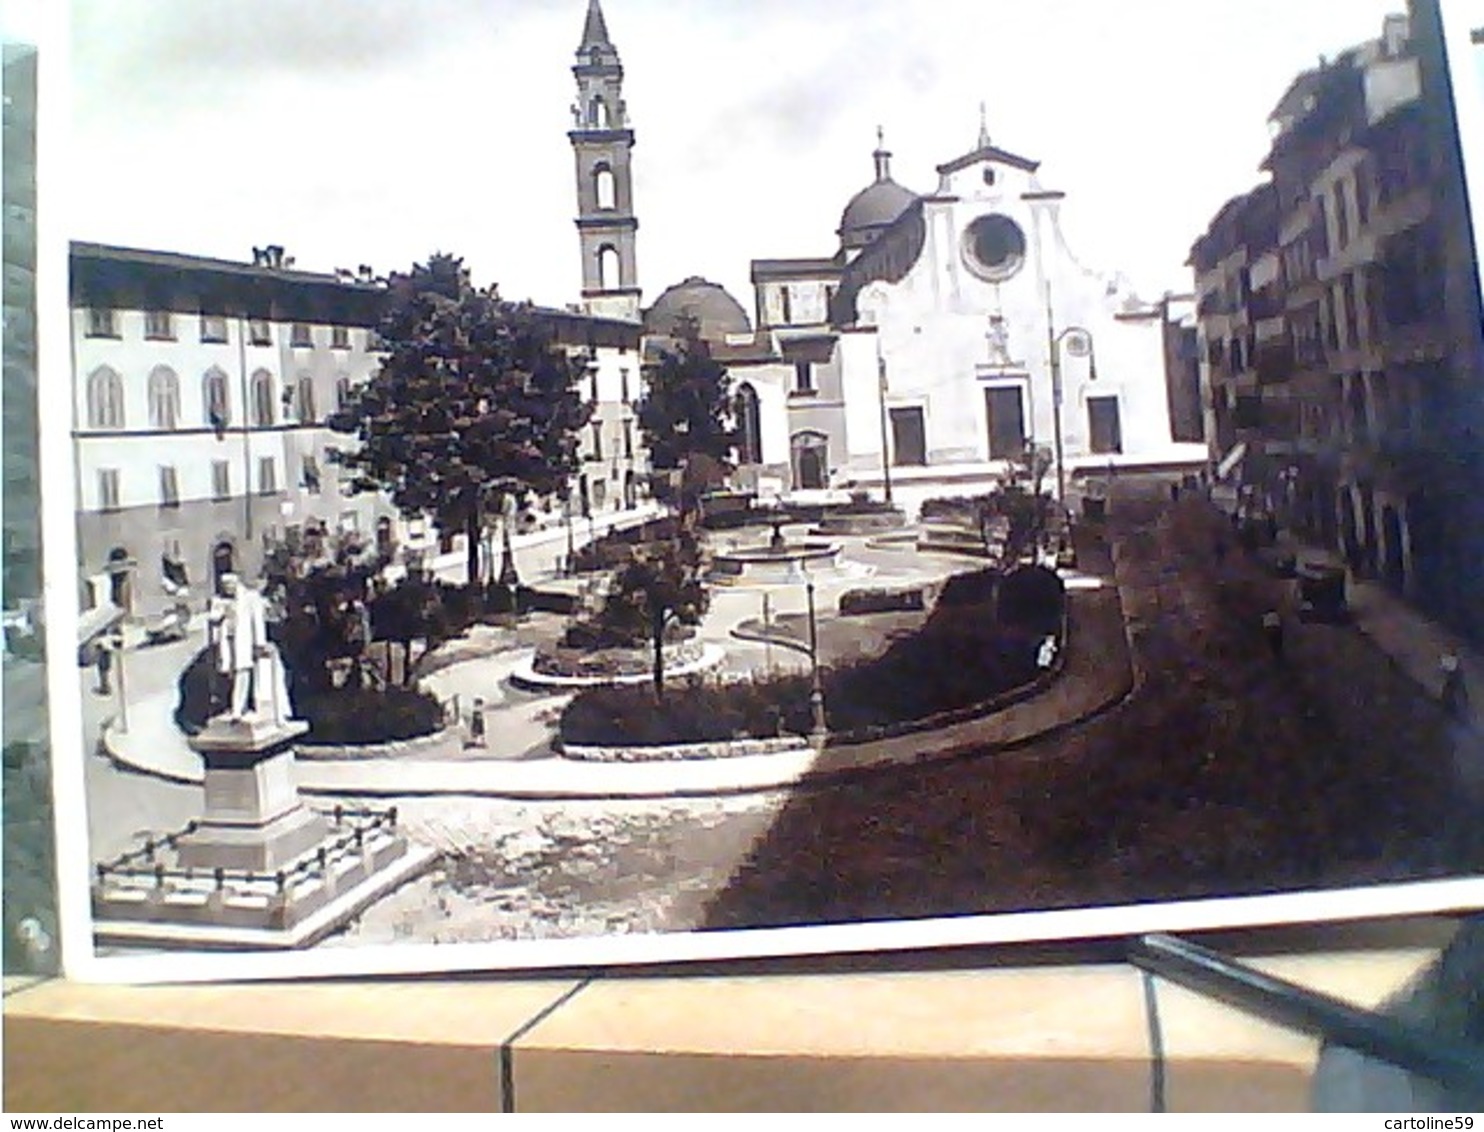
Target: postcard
pixel 1020 480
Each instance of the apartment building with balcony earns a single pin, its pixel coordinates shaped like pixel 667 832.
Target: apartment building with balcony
pixel 1355 420
pixel 1222 260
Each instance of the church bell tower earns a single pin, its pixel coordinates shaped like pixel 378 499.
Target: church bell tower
pixel 602 144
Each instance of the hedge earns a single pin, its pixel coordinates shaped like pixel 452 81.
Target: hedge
pixel 961 656
pixel 858 602
pixel 343 716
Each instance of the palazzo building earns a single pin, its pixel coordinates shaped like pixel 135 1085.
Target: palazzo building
pixel 1339 323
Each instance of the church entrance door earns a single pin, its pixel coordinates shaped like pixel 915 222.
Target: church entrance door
pixel 1004 412
pixel 908 437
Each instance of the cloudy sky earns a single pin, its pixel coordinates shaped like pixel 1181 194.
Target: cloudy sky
pixel 379 131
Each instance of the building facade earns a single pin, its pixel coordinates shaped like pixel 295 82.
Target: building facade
pixel 201 393
pixel 202 390
pixel 958 328
pixel 1354 410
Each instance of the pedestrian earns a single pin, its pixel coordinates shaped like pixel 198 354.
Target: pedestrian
pixel 105 667
pixel 476 724
pixel 1174 493
pixel 1272 629
pixel 1455 695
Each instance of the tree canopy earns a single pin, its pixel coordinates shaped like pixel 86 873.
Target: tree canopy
pixel 661 581
pixel 687 407
pixel 475 403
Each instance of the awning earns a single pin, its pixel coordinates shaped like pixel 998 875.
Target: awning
pixel 1230 461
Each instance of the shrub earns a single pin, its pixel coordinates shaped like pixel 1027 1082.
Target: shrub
pixel 856 602
pixel 972 589
pixel 959 658
pixel 194 707
pixel 366 716
pixel 614 548
pixel 964 508
pixel 860 504
pixel 1031 599
pixel 594 635
pixel 340 716
pixel 704 712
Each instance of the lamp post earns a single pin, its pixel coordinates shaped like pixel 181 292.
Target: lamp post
pixel 818 729
pixel 1056 340
pixel 567 514
pixel 881 390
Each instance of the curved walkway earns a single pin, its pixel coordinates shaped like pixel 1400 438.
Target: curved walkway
pixel 1096 676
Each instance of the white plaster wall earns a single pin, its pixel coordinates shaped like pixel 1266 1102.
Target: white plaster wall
pixel 933 329
pixel 861 410
pixel 807 302
pixel 139 450
pixel 611 412
pixel 772 382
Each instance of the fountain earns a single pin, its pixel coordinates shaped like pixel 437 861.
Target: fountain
pixel 778 561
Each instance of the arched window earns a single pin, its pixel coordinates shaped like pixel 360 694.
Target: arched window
pixel 308 410
pixel 749 426
pixel 342 392
pixel 214 400
pixel 262 399
pixel 164 398
pixel 597 112
pixel 604 186
pixel 608 268
pixel 105 399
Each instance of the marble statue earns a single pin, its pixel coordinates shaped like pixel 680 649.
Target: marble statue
pixel 999 341
pixel 245 656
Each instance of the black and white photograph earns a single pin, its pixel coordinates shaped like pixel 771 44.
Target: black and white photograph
pixel 1026 465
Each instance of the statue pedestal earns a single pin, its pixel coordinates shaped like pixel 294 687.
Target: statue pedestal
pixel 259 869
pixel 254 817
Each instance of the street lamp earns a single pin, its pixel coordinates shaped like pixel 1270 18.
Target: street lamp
pixel 1056 389
pixel 818 729
pixel 567 515
pixel 881 389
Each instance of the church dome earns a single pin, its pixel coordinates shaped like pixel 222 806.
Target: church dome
pixel 709 303
pixel 876 206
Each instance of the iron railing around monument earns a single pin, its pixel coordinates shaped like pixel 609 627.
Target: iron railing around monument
pixel 144 864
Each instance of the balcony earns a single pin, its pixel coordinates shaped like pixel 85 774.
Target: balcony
pixel 1275 361
pixel 1267 303
pixel 1216 303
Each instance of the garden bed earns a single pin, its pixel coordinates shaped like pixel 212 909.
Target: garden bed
pixel 559 660
pixel 968 653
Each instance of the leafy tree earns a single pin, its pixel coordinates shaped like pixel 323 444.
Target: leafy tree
pixel 475 409
pixel 319 587
pixel 685 414
pixel 660 584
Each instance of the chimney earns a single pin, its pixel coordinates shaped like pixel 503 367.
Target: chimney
pixel 1395 31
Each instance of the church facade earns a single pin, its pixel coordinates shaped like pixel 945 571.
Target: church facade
pixel 951 330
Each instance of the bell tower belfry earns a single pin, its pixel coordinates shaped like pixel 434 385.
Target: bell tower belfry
pixel 602 144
